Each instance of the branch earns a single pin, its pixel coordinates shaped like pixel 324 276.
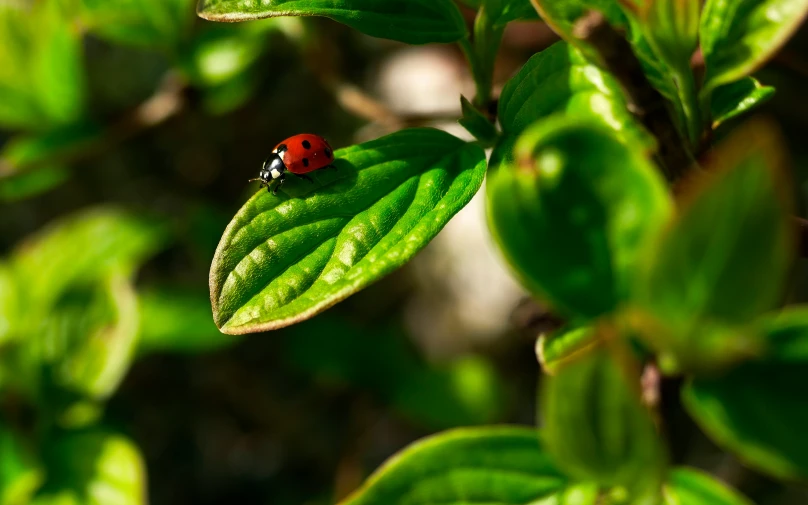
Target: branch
pixel 645 102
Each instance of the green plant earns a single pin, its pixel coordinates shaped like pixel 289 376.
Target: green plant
pixel 588 132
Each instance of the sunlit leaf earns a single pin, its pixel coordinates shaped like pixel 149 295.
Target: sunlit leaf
pixel 492 465
pixel 688 486
pixel 738 36
pixel 9 301
pixel 572 211
pixel 556 348
pixel 94 468
pixel 595 424
pixel 734 99
pixel 410 21
pixel 285 258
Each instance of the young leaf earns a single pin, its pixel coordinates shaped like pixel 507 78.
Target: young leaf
pixel 672 29
pixel 758 411
pixel 409 21
pixel 41 77
pixel 175 320
pixel 285 258
pixel 572 211
pixel 724 260
pixel 560 79
pixel 492 465
pixel 688 486
pixel 595 424
pixel 737 98
pixel 555 349
pixel 20 473
pixel 477 124
pixel 738 36
pixel 95 468
pixel 144 23
pixel 515 10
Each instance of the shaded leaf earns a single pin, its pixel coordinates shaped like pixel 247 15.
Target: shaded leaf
pixel 572 211
pixel 24 150
pixel 515 10
pixel 144 23
pixel 736 98
pixel 560 79
pixel 688 486
pixel 595 424
pixel 20 473
pixel 175 320
pixel 41 76
pixel 477 124
pixel 94 468
pixel 672 29
pixel 493 465
pixel 410 21
pixel 738 36
pixel 724 259
pixel 32 183
pixel 558 347
pixel 285 258
pixel 786 334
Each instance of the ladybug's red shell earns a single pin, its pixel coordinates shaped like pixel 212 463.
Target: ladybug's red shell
pixel 305 153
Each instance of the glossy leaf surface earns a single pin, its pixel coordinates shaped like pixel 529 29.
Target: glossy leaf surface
pixel 734 99
pixel 410 21
pixel 558 347
pixel 688 486
pixel 492 465
pixel 571 212
pixel 739 36
pixel 285 258
pixel 595 424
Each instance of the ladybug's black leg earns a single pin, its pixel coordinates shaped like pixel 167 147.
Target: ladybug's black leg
pixel 304 176
pixel 277 186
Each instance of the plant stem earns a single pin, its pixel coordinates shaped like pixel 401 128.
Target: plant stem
pixel 481 54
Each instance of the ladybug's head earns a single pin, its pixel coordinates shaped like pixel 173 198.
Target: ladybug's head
pixel 273 168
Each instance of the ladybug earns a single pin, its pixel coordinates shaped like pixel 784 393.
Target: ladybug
pixel 298 155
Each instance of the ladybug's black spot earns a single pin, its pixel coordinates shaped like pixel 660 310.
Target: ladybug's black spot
pixel 281 148
pixel 327 152
pixel 305 162
pixel 306 144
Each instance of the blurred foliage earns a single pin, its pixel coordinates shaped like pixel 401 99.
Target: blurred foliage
pixel 129 127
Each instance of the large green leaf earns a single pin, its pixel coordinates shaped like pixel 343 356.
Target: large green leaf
pixel 737 98
pixel 410 21
pixel 41 77
pixel 595 424
pixel 571 212
pixel 491 465
pixel 725 258
pixel 688 486
pixel 20 473
pixel 145 23
pixel 560 79
pixel 738 36
pixel 285 258
pixel 94 468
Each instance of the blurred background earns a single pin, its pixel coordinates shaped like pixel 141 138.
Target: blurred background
pixel 128 131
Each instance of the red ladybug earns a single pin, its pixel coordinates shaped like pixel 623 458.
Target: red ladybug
pixel 299 155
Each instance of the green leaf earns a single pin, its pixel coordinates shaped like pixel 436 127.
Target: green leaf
pixel 176 320
pixel 476 123
pixel 758 411
pixel 491 465
pixel 81 248
pixel 738 36
pixel 41 76
pixel 724 260
pixel 33 183
pixel 143 23
pixel 560 79
pixel 786 334
pixel 94 468
pixel 672 29
pixel 595 424
pixel 688 486
pixel 285 258
pixel 409 21
pixel 572 211
pixel 9 305
pixel 515 10
pixel 20 473
pixel 556 348
pixel 737 98
pixel 381 360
